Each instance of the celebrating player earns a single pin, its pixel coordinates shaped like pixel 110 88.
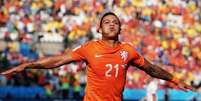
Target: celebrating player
pixel 107 62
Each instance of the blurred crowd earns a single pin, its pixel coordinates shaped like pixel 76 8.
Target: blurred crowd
pixel 167 32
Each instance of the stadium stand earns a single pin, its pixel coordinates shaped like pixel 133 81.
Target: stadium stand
pixel 167 32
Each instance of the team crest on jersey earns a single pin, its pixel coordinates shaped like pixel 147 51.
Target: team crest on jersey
pixel 124 55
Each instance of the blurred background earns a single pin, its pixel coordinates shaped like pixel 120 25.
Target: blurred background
pixel 167 32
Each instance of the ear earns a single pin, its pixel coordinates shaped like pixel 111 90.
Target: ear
pixel 119 30
pixel 99 30
pixel 98 27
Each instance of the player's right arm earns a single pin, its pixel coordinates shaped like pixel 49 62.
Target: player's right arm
pixel 45 63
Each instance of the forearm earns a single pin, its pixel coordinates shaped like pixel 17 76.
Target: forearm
pixel 42 64
pixel 48 63
pixel 157 72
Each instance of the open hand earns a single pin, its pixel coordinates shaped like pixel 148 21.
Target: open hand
pixel 182 85
pixel 15 69
pixel 185 87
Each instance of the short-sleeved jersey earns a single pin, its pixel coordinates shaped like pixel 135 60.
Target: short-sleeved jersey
pixel 106 68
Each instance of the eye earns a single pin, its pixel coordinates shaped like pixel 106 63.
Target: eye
pixel 115 22
pixel 106 22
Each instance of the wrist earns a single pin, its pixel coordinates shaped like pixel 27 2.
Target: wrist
pixel 28 65
pixel 175 80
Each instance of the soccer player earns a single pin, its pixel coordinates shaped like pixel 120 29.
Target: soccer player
pixel 107 62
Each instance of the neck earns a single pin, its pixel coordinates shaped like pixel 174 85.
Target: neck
pixel 111 42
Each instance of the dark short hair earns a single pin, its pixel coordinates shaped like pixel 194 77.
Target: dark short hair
pixel 106 14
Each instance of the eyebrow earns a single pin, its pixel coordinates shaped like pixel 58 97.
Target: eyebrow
pixel 106 20
pixel 109 20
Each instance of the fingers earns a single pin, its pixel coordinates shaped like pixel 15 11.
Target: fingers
pixel 14 69
pixel 186 87
pixel 8 71
pixel 190 88
pixel 183 89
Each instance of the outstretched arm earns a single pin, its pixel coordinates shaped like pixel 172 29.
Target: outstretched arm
pixel 46 63
pixel 157 72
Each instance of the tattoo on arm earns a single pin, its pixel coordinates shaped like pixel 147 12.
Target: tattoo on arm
pixel 44 63
pixel 156 71
pixel 36 65
pixel 51 62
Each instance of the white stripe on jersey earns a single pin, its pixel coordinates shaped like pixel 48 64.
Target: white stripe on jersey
pixel 76 48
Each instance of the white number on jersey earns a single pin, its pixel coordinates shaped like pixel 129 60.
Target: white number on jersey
pixel 110 67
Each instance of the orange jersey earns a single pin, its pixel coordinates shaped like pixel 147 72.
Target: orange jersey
pixel 106 68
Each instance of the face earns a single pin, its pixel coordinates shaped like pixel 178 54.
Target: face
pixel 110 27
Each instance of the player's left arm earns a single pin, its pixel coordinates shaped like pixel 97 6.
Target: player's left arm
pixel 158 72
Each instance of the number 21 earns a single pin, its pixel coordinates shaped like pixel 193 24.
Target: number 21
pixel 110 67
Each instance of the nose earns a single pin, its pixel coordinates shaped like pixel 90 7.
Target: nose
pixel 112 24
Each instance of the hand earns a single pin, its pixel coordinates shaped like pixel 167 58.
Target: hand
pixel 15 69
pixel 182 85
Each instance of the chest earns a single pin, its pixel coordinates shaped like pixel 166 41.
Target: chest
pixel 108 63
pixel 98 57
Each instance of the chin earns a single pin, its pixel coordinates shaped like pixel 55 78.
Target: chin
pixel 112 37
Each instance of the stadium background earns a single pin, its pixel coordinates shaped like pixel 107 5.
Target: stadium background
pixel 167 32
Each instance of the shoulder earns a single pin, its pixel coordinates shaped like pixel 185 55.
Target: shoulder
pixel 127 45
pixel 86 45
pixel 90 43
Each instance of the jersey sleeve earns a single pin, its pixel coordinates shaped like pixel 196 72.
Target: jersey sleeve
pixel 136 58
pixel 78 53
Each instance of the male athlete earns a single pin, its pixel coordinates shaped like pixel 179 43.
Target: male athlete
pixel 107 62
